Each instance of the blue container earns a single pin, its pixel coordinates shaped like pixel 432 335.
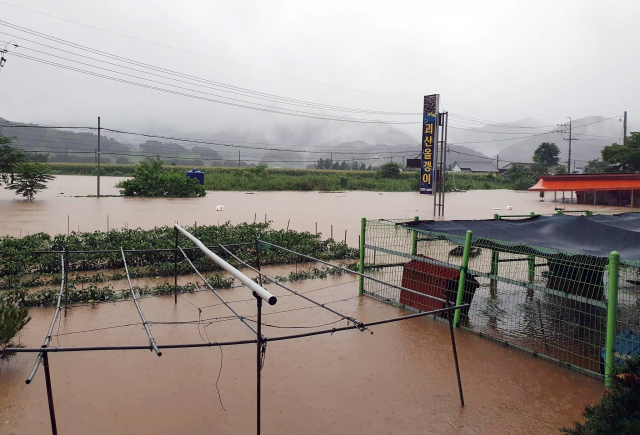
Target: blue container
pixel 627 346
pixel 198 175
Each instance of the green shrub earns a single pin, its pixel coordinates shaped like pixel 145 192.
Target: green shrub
pixel 149 180
pixel 12 320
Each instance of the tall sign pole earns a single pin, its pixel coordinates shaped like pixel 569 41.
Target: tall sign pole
pixel 98 157
pixel 429 140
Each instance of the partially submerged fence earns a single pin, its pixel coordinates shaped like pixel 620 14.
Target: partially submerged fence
pixel 579 311
pixel 446 306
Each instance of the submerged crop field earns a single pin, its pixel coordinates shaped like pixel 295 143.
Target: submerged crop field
pixel 28 278
pixel 273 179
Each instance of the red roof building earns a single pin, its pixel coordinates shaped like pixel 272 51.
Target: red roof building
pixel 596 189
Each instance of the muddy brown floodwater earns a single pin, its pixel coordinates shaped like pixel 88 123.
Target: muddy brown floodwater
pixel 299 210
pixel 401 379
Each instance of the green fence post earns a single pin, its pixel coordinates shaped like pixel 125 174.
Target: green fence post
pixel 363 226
pixel 496 216
pixel 463 273
pixel 589 213
pixel 612 310
pixel 493 283
pixel 414 245
pixel 533 214
pixel 532 267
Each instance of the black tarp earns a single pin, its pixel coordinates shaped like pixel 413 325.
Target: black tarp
pixel 595 236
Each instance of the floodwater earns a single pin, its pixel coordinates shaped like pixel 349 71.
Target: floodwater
pixel 401 379
pixel 57 210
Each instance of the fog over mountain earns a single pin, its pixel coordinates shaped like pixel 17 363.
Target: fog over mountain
pixel 311 76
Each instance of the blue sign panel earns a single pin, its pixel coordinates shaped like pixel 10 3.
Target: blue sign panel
pixel 429 141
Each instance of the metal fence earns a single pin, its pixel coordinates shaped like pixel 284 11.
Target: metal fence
pixel 549 303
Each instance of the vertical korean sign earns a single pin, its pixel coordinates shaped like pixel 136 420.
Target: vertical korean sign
pixel 429 141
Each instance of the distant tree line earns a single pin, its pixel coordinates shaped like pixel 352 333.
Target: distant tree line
pixel 342 166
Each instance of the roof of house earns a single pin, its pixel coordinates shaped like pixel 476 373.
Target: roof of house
pixel 516 163
pixel 476 166
pixel 587 182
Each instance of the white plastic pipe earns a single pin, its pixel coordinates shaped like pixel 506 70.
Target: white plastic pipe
pixel 260 291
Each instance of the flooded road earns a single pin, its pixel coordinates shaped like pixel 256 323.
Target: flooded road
pixel 298 210
pixel 401 379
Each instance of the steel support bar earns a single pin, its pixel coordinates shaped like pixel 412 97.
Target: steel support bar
pixel 455 350
pixel 259 345
pixel 47 379
pixel 612 311
pixel 152 342
pixel 463 274
pixel 291 290
pixel 112 251
pixel 355 273
pixel 366 325
pixel 242 319
pixel 230 343
pixel 47 339
pixel 363 233
pixel 260 291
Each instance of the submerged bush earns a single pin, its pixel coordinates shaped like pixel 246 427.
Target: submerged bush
pixel 12 320
pixel 618 413
pixel 149 180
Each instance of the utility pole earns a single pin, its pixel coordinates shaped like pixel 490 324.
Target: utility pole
pixel 569 160
pixel 497 162
pixel 238 158
pixel 98 157
pixel 330 160
pixel 571 139
pixel 624 138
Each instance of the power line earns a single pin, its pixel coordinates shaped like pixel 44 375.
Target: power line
pixel 215 58
pixel 282 111
pixel 243 91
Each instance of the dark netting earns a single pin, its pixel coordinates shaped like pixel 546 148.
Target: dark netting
pixel 595 236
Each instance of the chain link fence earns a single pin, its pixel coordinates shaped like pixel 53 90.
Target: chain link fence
pixel 546 302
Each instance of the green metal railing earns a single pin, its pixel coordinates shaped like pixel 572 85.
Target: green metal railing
pixel 560 306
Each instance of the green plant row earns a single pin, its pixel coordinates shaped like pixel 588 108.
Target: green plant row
pixel 93 294
pixel 265 179
pixel 17 257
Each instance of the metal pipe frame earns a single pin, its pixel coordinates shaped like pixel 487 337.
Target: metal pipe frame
pixel 152 342
pixel 356 273
pixel 350 319
pixel 242 319
pixel 112 251
pixel 47 339
pixel 233 343
pixel 260 291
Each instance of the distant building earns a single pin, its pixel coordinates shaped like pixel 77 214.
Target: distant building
pixel 510 165
pixel 474 166
pixel 594 189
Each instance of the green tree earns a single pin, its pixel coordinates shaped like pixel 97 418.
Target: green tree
pixel 596 166
pixel 547 153
pixel 31 177
pixel 560 170
pixel 389 170
pixel 9 158
pixel 12 320
pixel 520 177
pixel 150 180
pixel 626 157
pixel 618 413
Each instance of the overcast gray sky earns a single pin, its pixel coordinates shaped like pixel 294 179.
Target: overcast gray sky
pixel 495 60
